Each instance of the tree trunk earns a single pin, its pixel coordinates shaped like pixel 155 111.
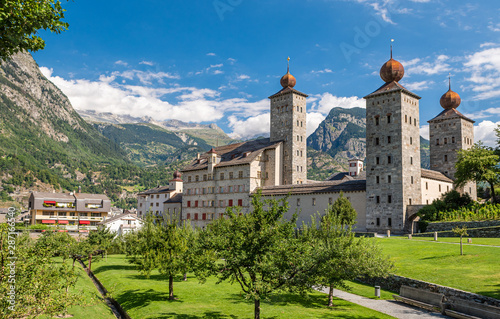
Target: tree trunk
pixel 330 297
pixel 171 287
pixel 461 250
pixel 185 277
pixel 90 264
pixel 257 309
pixel 493 198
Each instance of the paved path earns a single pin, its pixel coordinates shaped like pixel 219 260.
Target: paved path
pixel 390 307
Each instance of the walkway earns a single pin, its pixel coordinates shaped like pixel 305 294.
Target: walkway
pixel 389 307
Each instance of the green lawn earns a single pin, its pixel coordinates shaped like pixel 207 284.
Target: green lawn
pixel 148 298
pixel 477 271
pixel 475 241
pixel 92 305
pixel 368 291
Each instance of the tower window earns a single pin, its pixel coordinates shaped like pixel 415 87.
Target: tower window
pixel 453 139
pixel 389 222
pixel 409 201
pixel 415 122
pixel 378 199
pixel 446 158
pixel 426 185
pixel 301 138
pixel 377 160
pixel 406 118
pixel 377 141
pixel 389 199
pixel 412 179
pixel 389 179
pixel 314 201
pixel 440 187
pixel 378 179
pixel 298 138
pixel 377 120
pixel 297 122
pixel 378 221
pixel 410 119
pixel 298 201
pixel 388 119
pixel 437 141
pixel 388 140
pixel 297 108
pixel 411 140
pixel 389 159
pixel 411 160
pixel 445 140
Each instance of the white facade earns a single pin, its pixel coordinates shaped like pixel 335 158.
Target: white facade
pixel 122 224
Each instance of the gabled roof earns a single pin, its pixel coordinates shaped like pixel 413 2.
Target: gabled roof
pixel 313 188
pixel 345 175
pixel 438 176
pixel 177 198
pixel 391 87
pixel 234 154
pixel 287 90
pixel 117 217
pixel 157 190
pixel 449 114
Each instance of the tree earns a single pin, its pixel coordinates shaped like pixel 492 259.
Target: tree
pixel 21 20
pixel 478 164
pixel 160 245
pixel 461 232
pixel 339 255
pixel 261 250
pixel 33 284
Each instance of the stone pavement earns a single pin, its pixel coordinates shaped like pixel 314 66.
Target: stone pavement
pixel 389 307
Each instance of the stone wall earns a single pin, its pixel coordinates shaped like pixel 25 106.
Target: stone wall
pixel 394 283
pixel 482 229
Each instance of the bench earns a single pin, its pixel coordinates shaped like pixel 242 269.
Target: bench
pixel 456 306
pixel 420 298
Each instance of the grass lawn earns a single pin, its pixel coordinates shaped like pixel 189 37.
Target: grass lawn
pixel 475 241
pixel 148 298
pixel 368 291
pixel 477 271
pixel 92 305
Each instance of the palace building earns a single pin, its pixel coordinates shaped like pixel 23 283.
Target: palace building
pixel 386 195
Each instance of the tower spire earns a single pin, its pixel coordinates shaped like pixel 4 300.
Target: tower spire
pixel 449 81
pixel 392 40
pixel 288 65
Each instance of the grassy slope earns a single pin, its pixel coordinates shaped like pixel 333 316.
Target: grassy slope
pixel 147 298
pixel 477 271
pixel 93 305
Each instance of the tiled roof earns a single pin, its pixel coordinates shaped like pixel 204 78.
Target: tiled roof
pixel 427 173
pixel 322 187
pixel 234 154
pixel 341 175
pixel 391 87
pixel 157 190
pixel 91 196
pixel 177 198
pixel 286 90
pixel 69 196
pixel 448 114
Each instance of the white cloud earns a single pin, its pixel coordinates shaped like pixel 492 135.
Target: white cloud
pixel 417 66
pixel 418 86
pixel 211 54
pixel 487 44
pixel 250 127
pixel 147 63
pixel 494 27
pixel 485 73
pixel 321 71
pixel 314 119
pixel 146 77
pixel 120 62
pixel 492 111
pixel 424 131
pixel 325 102
pixel 421 1
pixel 484 132
pixel 242 77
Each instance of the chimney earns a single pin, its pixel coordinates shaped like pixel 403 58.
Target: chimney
pixel 79 189
pixel 198 156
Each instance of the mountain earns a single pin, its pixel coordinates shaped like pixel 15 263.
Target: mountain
pixel 42 138
pixel 340 137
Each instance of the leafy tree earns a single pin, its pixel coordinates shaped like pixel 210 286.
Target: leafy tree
pixel 339 255
pixel 41 284
pixel 160 245
pixel 20 22
pixel 478 164
pixel 461 232
pixel 261 250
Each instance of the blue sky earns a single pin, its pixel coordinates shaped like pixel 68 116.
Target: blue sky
pixel 217 61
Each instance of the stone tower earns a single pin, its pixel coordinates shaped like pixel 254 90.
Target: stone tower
pixel 393 174
pixel 449 132
pixel 288 124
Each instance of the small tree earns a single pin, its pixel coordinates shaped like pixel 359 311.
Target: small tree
pixel 461 232
pixel 478 164
pixel 160 245
pixel 339 255
pixel 261 251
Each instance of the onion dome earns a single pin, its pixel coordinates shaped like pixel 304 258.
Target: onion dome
pixel 450 100
pixel 177 174
pixel 392 70
pixel 212 151
pixel 288 80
